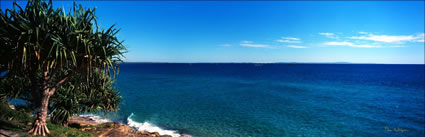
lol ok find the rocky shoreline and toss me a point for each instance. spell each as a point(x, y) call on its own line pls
point(109, 129)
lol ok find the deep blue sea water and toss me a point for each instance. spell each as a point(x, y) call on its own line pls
point(275, 100)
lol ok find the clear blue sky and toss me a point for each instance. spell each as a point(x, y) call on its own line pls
point(280, 31)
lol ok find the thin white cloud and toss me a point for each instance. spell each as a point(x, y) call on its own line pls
point(391, 38)
point(328, 35)
point(420, 37)
point(250, 44)
point(289, 40)
point(366, 46)
point(351, 45)
point(254, 45)
point(226, 45)
point(339, 43)
point(295, 46)
point(397, 46)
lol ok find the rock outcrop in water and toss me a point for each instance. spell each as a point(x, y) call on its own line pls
point(110, 129)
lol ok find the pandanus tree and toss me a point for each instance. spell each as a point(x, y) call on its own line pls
point(50, 47)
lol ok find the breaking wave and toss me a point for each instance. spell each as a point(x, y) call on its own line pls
point(146, 126)
point(95, 118)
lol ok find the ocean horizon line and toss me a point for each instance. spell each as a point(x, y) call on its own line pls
point(330, 63)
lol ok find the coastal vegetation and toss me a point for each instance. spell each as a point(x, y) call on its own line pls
point(57, 61)
point(16, 122)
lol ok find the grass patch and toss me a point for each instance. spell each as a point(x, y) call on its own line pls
point(18, 121)
point(60, 131)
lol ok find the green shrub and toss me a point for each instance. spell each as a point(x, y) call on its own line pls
point(10, 114)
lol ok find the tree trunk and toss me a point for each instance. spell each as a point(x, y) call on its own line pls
point(35, 87)
point(39, 126)
point(36, 98)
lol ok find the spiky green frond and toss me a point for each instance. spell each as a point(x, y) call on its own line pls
point(42, 37)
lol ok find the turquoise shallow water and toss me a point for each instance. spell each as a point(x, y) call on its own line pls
point(226, 100)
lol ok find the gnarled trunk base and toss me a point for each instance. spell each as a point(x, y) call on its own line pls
point(39, 128)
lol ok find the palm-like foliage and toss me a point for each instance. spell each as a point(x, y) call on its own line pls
point(73, 98)
point(14, 86)
point(41, 39)
point(49, 39)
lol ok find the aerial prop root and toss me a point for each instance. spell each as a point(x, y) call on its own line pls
point(39, 128)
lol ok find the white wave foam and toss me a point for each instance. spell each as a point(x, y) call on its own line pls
point(95, 118)
point(146, 126)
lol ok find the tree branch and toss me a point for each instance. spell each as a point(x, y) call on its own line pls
point(52, 74)
point(52, 91)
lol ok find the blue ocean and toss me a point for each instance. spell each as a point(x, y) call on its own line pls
point(272, 100)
